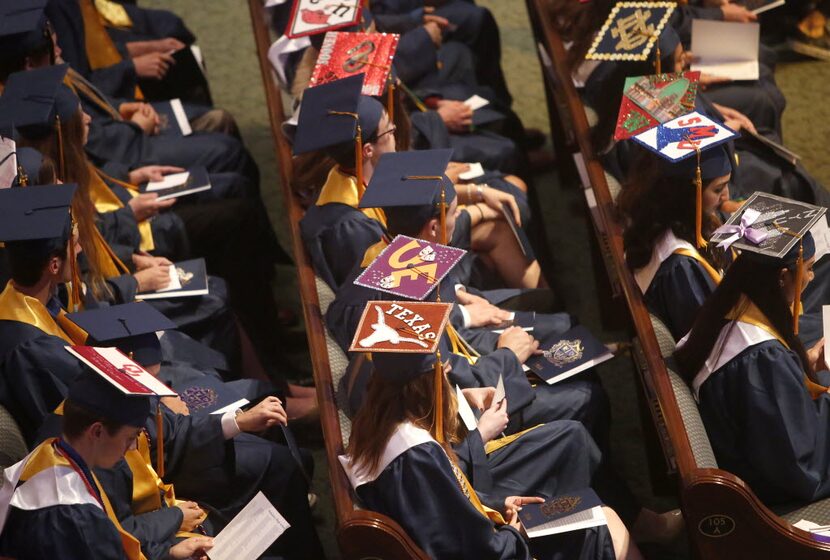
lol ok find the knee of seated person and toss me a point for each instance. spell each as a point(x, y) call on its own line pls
point(516, 182)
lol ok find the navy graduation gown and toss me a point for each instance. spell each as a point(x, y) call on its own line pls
point(35, 373)
point(62, 531)
point(419, 491)
point(151, 24)
point(677, 291)
point(336, 237)
point(765, 427)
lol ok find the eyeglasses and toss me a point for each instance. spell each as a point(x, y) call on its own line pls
point(391, 130)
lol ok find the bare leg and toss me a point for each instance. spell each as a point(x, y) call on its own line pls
point(624, 547)
point(495, 241)
point(516, 182)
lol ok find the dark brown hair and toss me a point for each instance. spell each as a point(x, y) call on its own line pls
point(388, 404)
point(76, 420)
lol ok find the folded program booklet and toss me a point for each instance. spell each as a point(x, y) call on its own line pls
point(726, 49)
point(568, 512)
point(567, 354)
point(187, 278)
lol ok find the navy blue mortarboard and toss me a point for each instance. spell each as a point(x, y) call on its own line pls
point(401, 368)
point(130, 327)
point(100, 397)
point(408, 186)
point(714, 162)
point(36, 219)
point(35, 99)
point(631, 31)
point(23, 27)
point(329, 115)
point(29, 162)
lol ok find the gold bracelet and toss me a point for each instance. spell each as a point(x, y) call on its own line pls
point(480, 189)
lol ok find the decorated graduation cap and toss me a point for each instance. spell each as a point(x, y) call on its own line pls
point(311, 17)
point(632, 31)
point(403, 338)
point(651, 100)
point(682, 142)
point(334, 114)
point(101, 397)
point(344, 54)
point(37, 101)
point(130, 327)
point(411, 187)
point(775, 231)
point(23, 27)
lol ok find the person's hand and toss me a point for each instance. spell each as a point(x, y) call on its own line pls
point(434, 32)
point(519, 341)
point(176, 404)
point(194, 547)
point(146, 205)
point(714, 3)
point(166, 45)
point(463, 297)
point(734, 119)
point(816, 357)
point(456, 115)
point(442, 22)
point(512, 519)
point(737, 13)
point(153, 278)
point(454, 169)
point(267, 413)
point(145, 122)
point(192, 515)
point(494, 198)
point(479, 397)
point(127, 109)
point(513, 504)
point(144, 260)
point(153, 65)
point(494, 420)
point(152, 173)
point(485, 314)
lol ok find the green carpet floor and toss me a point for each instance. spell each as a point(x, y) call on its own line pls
point(223, 28)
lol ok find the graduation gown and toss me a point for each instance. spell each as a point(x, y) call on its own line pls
point(415, 485)
point(762, 421)
point(73, 517)
point(676, 282)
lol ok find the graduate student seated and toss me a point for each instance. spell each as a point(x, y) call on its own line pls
point(401, 464)
point(52, 505)
point(763, 395)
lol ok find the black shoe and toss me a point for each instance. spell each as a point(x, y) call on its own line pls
point(818, 47)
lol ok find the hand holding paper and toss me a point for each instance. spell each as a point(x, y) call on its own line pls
point(250, 533)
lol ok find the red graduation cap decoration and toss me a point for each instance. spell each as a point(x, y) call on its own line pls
point(401, 326)
point(345, 54)
point(652, 100)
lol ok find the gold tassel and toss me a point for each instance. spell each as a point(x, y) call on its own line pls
point(74, 294)
point(159, 442)
point(390, 99)
point(358, 156)
point(799, 279)
point(443, 215)
point(439, 399)
point(61, 162)
point(657, 56)
point(699, 241)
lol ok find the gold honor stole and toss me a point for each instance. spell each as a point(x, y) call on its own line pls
point(17, 306)
point(107, 201)
point(100, 48)
point(114, 14)
point(748, 312)
point(340, 187)
point(46, 456)
point(693, 254)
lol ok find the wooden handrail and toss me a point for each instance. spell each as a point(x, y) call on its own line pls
point(305, 273)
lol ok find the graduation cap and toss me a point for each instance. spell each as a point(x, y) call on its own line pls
point(651, 100)
point(28, 162)
point(403, 338)
point(23, 27)
point(409, 186)
point(631, 31)
point(344, 54)
point(130, 327)
point(36, 218)
point(335, 113)
point(775, 231)
point(37, 101)
point(311, 17)
point(114, 385)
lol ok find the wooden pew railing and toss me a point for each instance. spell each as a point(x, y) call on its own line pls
point(724, 518)
point(361, 534)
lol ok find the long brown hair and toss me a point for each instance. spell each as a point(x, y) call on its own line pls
point(388, 404)
point(650, 203)
point(577, 22)
point(76, 170)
